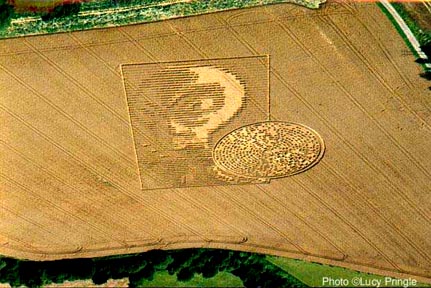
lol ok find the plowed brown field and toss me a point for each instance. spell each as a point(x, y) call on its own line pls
point(70, 184)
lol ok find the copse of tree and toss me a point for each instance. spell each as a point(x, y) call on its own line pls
point(253, 269)
point(426, 48)
point(426, 75)
point(64, 10)
point(425, 41)
point(60, 271)
point(6, 13)
point(258, 272)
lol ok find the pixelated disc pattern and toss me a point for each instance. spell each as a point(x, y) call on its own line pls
point(270, 149)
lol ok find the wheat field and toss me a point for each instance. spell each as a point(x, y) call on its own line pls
point(75, 179)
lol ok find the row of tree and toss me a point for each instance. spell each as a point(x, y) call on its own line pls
point(253, 269)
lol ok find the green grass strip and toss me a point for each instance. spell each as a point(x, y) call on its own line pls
point(313, 275)
point(398, 28)
point(221, 279)
point(413, 26)
point(100, 14)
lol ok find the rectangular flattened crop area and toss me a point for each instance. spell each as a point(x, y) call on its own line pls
point(179, 110)
point(87, 118)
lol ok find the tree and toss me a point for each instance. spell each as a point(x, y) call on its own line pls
point(253, 269)
point(185, 274)
point(62, 11)
point(30, 274)
point(6, 13)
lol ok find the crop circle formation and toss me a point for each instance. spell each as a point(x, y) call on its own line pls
point(268, 150)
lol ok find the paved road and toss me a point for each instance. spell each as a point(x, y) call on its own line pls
point(413, 41)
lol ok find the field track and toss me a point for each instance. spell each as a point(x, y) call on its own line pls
point(69, 178)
